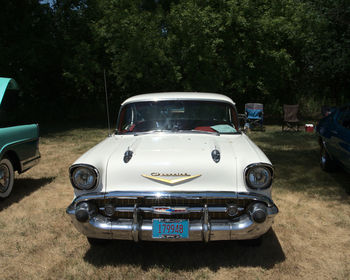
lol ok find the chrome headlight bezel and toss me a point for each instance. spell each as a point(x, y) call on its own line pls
point(267, 167)
point(91, 169)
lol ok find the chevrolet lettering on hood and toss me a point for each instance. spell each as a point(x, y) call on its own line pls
point(178, 168)
point(156, 174)
point(165, 178)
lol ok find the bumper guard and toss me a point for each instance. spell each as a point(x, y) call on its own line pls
point(204, 229)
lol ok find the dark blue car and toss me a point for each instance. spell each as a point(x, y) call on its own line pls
point(334, 139)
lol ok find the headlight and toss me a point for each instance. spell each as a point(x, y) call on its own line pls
point(83, 177)
point(258, 176)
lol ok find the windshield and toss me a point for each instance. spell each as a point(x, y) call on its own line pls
point(180, 116)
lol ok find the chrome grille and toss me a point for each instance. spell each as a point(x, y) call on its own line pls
point(124, 207)
point(173, 202)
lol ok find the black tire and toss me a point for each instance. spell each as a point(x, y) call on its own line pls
point(97, 241)
point(6, 177)
point(326, 162)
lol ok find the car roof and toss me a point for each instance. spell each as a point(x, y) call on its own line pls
point(163, 96)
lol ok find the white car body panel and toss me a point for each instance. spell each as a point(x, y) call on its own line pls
point(173, 153)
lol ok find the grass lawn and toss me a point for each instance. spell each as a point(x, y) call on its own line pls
point(310, 238)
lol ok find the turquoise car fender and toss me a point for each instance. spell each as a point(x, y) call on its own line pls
point(23, 142)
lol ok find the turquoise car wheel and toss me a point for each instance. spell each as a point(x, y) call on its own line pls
point(6, 177)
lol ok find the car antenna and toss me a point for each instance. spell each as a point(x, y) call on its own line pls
point(107, 107)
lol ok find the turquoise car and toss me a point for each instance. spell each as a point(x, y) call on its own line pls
point(19, 144)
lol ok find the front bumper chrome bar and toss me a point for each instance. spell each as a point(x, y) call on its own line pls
point(204, 229)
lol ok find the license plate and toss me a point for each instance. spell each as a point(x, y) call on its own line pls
point(170, 228)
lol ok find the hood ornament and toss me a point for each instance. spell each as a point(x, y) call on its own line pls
point(215, 154)
point(128, 155)
point(164, 178)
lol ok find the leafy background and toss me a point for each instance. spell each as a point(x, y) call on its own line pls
point(274, 52)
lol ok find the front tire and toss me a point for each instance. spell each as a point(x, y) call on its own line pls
point(6, 177)
point(326, 162)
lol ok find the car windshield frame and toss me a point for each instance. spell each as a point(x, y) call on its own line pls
point(233, 115)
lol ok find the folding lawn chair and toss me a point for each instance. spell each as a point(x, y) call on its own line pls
point(254, 115)
point(241, 120)
point(290, 117)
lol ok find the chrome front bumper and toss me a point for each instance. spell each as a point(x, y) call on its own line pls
point(204, 229)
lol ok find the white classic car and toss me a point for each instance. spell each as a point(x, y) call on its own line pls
point(178, 168)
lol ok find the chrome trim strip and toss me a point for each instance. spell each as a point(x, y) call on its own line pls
point(29, 163)
point(135, 225)
point(28, 160)
point(89, 196)
point(152, 210)
point(206, 225)
point(176, 195)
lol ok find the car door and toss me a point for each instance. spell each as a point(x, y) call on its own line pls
point(329, 132)
point(344, 139)
point(340, 143)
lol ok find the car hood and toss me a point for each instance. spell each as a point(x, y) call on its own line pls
point(7, 83)
point(173, 162)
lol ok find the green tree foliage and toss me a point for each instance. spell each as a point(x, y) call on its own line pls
point(78, 49)
point(274, 52)
point(250, 50)
point(81, 56)
point(27, 50)
point(330, 58)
